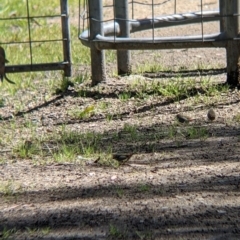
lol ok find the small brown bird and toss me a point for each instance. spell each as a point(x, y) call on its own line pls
point(3, 60)
point(122, 157)
point(211, 114)
point(183, 118)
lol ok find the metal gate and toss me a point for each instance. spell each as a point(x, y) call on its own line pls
point(115, 33)
point(28, 21)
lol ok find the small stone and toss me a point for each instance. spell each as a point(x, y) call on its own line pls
point(221, 211)
point(183, 118)
point(211, 114)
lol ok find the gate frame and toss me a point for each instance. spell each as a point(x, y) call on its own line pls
point(228, 38)
point(65, 65)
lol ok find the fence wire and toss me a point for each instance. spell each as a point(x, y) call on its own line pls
point(133, 25)
point(150, 17)
point(22, 25)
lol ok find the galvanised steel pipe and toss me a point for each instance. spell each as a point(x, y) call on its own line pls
point(96, 27)
point(121, 17)
point(114, 29)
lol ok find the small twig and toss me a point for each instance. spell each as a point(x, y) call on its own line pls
point(5, 150)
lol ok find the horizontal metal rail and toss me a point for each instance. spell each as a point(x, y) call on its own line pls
point(200, 41)
point(37, 67)
point(174, 20)
point(114, 42)
point(115, 34)
point(65, 64)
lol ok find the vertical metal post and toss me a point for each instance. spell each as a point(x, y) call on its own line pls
point(123, 56)
point(221, 11)
point(96, 27)
point(66, 37)
point(230, 25)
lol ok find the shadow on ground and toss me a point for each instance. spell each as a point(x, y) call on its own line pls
point(196, 209)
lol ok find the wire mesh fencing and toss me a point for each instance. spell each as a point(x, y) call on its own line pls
point(130, 25)
point(30, 30)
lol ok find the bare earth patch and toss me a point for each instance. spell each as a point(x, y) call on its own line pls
point(176, 188)
point(173, 187)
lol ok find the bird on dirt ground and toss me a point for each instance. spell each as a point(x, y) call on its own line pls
point(3, 60)
point(122, 157)
point(183, 118)
point(211, 114)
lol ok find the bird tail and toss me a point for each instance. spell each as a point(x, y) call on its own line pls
point(7, 79)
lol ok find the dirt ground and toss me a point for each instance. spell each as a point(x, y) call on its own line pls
point(180, 188)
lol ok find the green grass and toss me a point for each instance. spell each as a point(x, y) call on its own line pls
point(7, 233)
point(144, 188)
point(145, 235)
point(26, 139)
point(120, 192)
point(2, 102)
point(237, 118)
point(124, 96)
point(27, 149)
point(65, 145)
point(109, 117)
point(175, 89)
point(68, 145)
point(65, 153)
point(49, 28)
point(85, 113)
point(115, 232)
point(82, 77)
point(38, 232)
point(41, 29)
point(151, 67)
point(64, 85)
point(9, 188)
point(132, 130)
point(42, 52)
point(197, 133)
